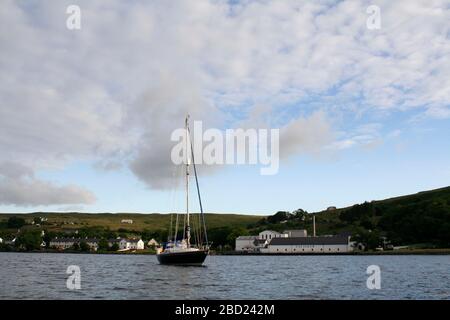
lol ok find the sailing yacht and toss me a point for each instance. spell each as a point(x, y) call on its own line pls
point(184, 251)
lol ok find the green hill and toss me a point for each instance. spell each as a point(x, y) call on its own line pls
point(108, 225)
point(421, 218)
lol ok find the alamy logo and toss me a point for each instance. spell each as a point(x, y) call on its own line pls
point(236, 146)
point(373, 22)
point(74, 280)
point(374, 280)
point(73, 22)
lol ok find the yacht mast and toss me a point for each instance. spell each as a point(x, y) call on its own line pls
point(188, 228)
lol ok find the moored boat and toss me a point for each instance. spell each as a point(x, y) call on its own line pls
point(185, 251)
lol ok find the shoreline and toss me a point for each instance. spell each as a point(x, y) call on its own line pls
point(443, 251)
point(431, 252)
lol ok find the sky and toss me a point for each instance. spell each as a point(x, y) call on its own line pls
point(86, 115)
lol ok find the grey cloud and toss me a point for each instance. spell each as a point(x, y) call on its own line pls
point(306, 135)
point(18, 186)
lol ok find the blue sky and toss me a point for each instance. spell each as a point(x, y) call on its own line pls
point(86, 115)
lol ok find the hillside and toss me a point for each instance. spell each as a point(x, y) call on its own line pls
point(421, 218)
point(151, 222)
point(108, 225)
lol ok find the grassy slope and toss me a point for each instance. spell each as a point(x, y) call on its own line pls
point(329, 221)
point(151, 222)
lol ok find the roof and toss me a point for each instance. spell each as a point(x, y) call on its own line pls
point(260, 240)
point(115, 240)
point(74, 240)
point(308, 241)
point(270, 231)
point(246, 238)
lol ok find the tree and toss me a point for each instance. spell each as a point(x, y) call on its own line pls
point(84, 246)
point(29, 240)
point(231, 238)
point(278, 217)
point(15, 222)
point(114, 247)
point(76, 246)
point(103, 245)
point(300, 213)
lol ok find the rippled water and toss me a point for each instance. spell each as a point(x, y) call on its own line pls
point(43, 276)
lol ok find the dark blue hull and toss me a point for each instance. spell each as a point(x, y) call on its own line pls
point(183, 258)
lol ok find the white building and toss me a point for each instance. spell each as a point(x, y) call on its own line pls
point(1, 240)
point(127, 244)
point(129, 221)
point(331, 244)
point(92, 243)
point(67, 243)
point(152, 243)
point(63, 243)
point(270, 234)
point(250, 244)
point(246, 243)
point(136, 244)
point(122, 244)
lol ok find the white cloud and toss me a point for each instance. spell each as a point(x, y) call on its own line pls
point(113, 91)
point(18, 186)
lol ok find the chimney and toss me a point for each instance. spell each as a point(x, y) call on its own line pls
point(314, 225)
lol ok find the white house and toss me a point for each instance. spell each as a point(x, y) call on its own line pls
point(92, 243)
point(67, 243)
point(250, 243)
point(129, 221)
point(122, 243)
point(136, 244)
point(1, 240)
point(270, 234)
point(246, 243)
point(63, 243)
point(328, 244)
point(152, 243)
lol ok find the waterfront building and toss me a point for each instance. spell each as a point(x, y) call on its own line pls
point(68, 243)
point(246, 243)
point(250, 243)
point(327, 244)
point(136, 244)
point(293, 241)
point(63, 243)
point(152, 243)
point(270, 234)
